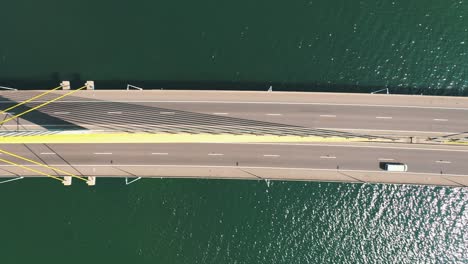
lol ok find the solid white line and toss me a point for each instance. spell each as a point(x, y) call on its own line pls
point(48, 153)
point(61, 113)
point(384, 130)
point(103, 153)
point(159, 153)
point(440, 120)
point(220, 113)
point(215, 154)
point(344, 146)
point(254, 102)
point(443, 161)
point(271, 155)
point(327, 115)
point(118, 112)
point(274, 114)
point(327, 157)
point(166, 113)
point(233, 167)
point(385, 159)
point(383, 117)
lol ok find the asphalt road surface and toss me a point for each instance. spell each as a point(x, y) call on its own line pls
point(365, 157)
point(241, 112)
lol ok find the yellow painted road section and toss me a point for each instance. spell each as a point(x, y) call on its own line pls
point(169, 138)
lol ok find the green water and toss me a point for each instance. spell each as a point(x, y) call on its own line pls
point(224, 221)
point(336, 45)
point(415, 46)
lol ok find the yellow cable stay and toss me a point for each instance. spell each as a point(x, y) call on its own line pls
point(41, 105)
point(29, 100)
point(31, 169)
point(42, 164)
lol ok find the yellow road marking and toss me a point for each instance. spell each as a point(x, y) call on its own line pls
point(168, 138)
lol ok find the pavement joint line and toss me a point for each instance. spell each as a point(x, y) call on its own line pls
point(244, 167)
point(384, 130)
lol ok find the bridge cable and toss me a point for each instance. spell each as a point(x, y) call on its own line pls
point(42, 164)
point(41, 105)
point(31, 169)
point(29, 100)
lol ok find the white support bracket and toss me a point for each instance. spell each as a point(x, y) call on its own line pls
point(10, 180)
point(386, 89)
point(89, 85)
point(67, 180)
point(65, 85)
point(91, 180)
point(132, 181)
point(134, 87)
point(8, 88)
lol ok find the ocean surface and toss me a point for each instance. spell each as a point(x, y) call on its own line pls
point(414, 47)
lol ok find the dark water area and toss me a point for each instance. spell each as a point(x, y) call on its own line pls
point(229, 221)
point(409, 47)
point(316, 45)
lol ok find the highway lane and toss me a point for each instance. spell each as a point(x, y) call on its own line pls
point(449, 160)
point(252, 115)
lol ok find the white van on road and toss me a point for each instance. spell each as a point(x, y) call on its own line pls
point(401, 167)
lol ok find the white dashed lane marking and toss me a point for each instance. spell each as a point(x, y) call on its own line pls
point(327, 157)
point(159, 153)
point(327, 115)
point(443, 161)
point(271, 155)
point(385, 159)
point(102, 153)
point(383, 117)
point(215, 154)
